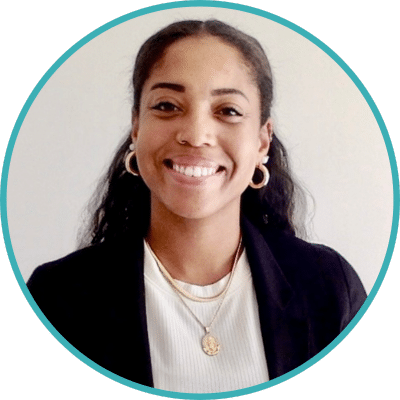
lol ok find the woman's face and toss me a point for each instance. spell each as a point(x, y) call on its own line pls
point(198, 135)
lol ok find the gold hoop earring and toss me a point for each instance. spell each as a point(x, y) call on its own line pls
point(128, 165)
point(264, 180)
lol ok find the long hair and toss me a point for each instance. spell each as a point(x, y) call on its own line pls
point(121, 202)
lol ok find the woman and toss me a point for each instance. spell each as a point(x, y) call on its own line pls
point(194, 280)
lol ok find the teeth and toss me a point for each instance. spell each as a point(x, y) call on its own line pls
point(189, 171)
point(194, 171)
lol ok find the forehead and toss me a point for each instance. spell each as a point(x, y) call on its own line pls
point(202, 58)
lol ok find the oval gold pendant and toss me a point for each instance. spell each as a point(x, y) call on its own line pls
point(210, 345)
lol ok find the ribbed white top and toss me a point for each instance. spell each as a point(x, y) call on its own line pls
point(177, 358)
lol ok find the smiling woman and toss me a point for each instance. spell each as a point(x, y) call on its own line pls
point(191, 277)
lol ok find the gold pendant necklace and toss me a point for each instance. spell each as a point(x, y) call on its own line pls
point(209, 342)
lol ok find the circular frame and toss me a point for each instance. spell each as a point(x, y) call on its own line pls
point(322, 46)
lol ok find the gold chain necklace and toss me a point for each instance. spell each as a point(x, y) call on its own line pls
point(210, 343)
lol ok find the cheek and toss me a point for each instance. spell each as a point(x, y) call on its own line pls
point(154, 131)
point(151, 143)
point(144, 147)
point(244, 152)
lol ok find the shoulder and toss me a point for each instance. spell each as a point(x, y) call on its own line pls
point(290, 249)
point(293, 254)
point(88, 273)
point(100, 264)
point(79, 264)
point(317, 271)
point(299, 257)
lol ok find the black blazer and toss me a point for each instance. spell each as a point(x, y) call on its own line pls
point(95, 298)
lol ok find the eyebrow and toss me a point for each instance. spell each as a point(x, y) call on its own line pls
point(181, 89)
point(220, 92)
point(166, 85)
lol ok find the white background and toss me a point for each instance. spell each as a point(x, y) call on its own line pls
point(79, 117)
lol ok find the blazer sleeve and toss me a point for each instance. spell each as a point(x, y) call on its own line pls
point(354, 289)
point(55, 298)
point(43, 289)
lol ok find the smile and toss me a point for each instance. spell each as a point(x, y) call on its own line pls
point(195, 171)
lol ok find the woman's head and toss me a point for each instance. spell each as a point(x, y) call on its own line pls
point(197, 133)
point(122, 201)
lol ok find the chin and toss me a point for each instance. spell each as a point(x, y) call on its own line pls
point(196, 210)
point(192, 212)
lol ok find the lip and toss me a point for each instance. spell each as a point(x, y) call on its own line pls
point(194, 161)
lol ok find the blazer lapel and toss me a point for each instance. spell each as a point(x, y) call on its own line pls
point(133, 362)
point(283, 326)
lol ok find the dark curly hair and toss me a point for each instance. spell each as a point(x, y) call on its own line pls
point(121, 203)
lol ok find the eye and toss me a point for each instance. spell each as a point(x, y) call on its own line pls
point(165, 106)
point(230, 112)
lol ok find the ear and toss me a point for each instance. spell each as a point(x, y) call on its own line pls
point(135, 129)
point(266, 132)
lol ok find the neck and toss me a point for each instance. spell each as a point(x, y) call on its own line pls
point(197, 251)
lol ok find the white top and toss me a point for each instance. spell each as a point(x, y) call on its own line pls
point(178, 361)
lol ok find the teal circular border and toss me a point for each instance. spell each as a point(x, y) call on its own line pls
point(184, 4)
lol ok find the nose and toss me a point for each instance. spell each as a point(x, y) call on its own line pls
point(198, 130)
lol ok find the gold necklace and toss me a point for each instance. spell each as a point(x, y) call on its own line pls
point(209, 342)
